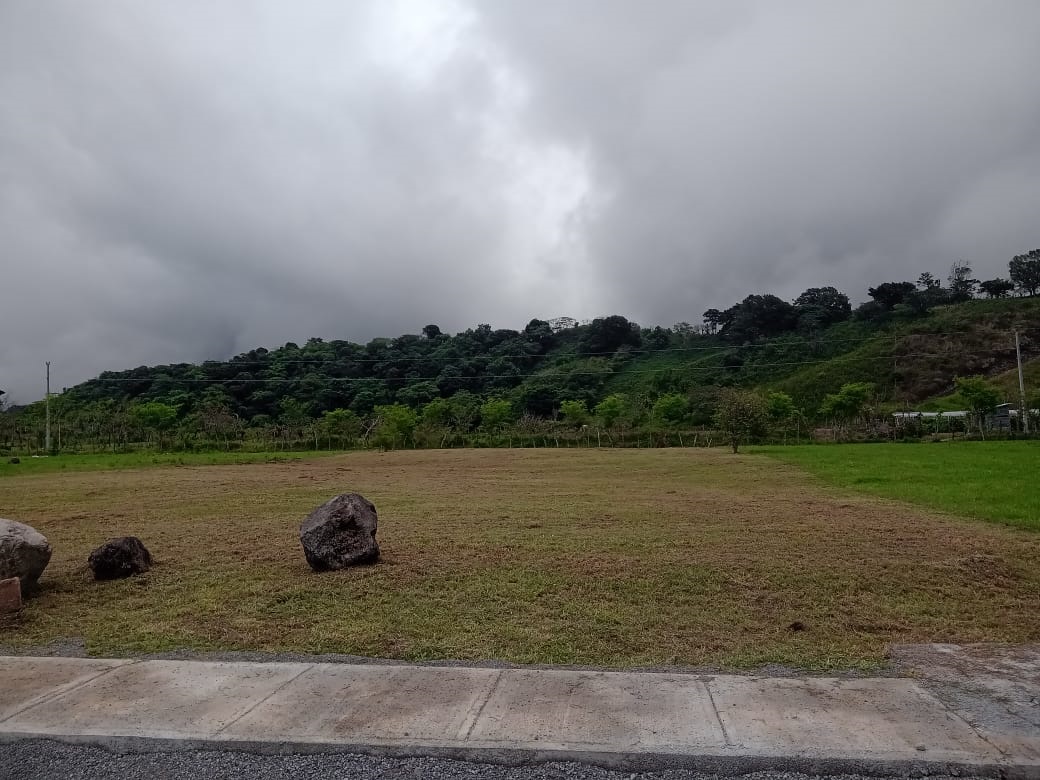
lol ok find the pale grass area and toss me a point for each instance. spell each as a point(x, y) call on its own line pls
point(607, 557)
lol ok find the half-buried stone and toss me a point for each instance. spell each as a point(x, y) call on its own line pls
point(340, 533)
point(119, 558)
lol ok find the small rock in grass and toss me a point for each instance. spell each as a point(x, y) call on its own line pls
point(797, 625)
point(10, 595)
point(340, 533)
point(24, 553)
point(119, 558)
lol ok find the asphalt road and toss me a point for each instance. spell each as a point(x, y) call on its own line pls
point(45, 760)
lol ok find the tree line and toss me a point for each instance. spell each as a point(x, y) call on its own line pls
point(553, 378)
point(764, 316)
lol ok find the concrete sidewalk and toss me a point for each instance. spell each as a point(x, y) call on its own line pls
point(625, 720)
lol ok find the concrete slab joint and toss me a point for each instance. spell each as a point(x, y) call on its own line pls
point(636, 720)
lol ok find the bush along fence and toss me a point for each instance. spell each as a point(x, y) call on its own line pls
point(735, 417)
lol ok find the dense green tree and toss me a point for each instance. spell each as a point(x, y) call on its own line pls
point(657, 337)
point(1025, 271)
point(713, 319)
point(539, 397)
point(575, 413)
point(670, 410)
point(465, 410)
point(927, 281)
point(871, 311)
point(758, 317)
point(997, 288)
point(294, 411)
point(888, 295)
point(368, 397)
point(781, 410)
point(980, 396)
point(452, 380)
point(819, 307)
point(780, 406)
point(605, 335)
point(417, 394)
point(154, 415)
point(342, 425)
point(611, 409)
point(395, 426)
point(929, 294)
point(496, 414)
point(437, 413)
point(741, 415)
point(501, 373)
point(702, 401)
point(848, 403)
point(541, 333)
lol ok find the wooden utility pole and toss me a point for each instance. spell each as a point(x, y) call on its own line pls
point(47, 407)
point(1023, 408)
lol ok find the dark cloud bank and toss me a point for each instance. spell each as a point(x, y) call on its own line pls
point(182, 181)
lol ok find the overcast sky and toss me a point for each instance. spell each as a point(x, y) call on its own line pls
point(186, 180)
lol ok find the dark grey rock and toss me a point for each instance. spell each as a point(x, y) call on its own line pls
point(119, 558)
point(24, 553)
point(340, 533)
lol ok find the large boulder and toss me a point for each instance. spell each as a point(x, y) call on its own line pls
point(340, 533)
point(24, 553)
point(119, 558)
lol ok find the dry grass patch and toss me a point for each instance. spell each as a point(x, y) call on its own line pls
point(607, 557)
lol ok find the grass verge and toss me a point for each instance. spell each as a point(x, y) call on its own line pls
point(993, 481)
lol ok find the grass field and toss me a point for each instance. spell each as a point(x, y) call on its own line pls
point(609, 557)
point(983, 480)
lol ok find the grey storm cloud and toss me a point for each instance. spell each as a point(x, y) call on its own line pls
point(765, 147)
point(182, 181)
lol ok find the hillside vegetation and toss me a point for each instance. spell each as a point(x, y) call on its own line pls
point(912, 361)
point(907, 345)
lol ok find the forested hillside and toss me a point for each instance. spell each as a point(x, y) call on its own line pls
point(907, 344)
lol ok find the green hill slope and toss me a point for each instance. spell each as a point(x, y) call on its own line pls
point(909, 359)
point(911, 362)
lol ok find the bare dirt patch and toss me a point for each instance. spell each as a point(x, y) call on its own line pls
point(612, 558)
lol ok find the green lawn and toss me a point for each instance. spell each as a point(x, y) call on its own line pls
point(994, 481)
point(140, 460)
